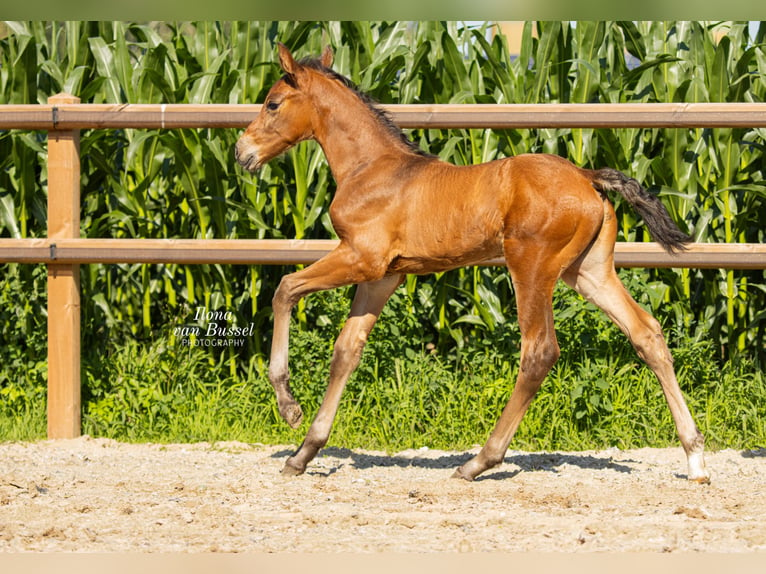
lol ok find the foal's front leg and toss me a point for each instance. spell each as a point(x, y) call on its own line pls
point(333, 270)
point(368, 303)
point(279, 373)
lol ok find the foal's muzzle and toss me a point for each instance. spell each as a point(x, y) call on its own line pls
point(246, 156)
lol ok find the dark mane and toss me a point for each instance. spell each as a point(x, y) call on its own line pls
point(383, 118)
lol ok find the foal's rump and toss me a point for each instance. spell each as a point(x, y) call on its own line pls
point(563, 189)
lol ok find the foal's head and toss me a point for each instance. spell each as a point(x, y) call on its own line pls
point(285, 118)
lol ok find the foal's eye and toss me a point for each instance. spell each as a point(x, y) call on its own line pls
point(271, 106)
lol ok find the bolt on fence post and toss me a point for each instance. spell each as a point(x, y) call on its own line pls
point(63, 280)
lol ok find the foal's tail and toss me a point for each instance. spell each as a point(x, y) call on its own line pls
point(663, 230)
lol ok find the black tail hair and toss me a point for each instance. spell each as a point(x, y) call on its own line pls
point(662, 228)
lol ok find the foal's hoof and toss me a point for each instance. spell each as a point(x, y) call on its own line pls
point(291, 470)
point(459, 473)
point(700, 479)
point(292, 414)
point(697, 471)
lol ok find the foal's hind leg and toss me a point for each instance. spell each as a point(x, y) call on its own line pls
point(594, 277)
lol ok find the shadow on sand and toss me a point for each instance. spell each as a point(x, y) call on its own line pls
point(525, 462)
point(754, 453)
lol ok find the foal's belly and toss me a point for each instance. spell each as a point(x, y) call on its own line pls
point(434, 262)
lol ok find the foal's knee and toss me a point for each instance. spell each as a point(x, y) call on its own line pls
point(284, 294)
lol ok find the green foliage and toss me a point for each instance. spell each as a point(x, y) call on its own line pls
point(24, 372)
point(449, 335)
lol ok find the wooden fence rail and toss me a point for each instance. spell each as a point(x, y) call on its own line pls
point(72, 116)
point(63, 251)
point(305, 251)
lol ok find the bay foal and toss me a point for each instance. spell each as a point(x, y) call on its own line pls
point(398, 211)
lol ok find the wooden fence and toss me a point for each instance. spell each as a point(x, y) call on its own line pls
point(63, 251)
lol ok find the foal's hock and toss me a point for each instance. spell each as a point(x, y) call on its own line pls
point(398, 211)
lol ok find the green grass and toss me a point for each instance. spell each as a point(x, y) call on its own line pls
point(25, 425)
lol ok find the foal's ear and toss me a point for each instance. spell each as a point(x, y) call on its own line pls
point(326, 57)
point(286, 59)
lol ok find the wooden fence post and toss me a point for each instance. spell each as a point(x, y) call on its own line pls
point(63, 280)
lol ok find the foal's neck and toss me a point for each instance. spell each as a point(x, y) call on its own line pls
point(350, 133)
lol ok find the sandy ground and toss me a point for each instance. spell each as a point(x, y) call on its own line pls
point(95, 495)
